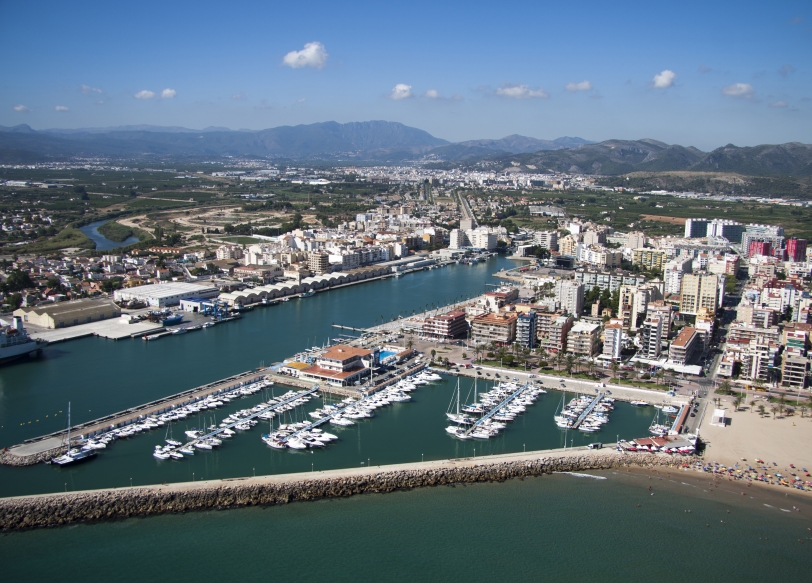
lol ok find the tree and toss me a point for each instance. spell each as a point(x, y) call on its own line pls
point(774, 410)
point(16, 281)
point(409, 343)
point(725, 387)
point(570, 359)
point(433, 353)
point(761, 410)
point(559, 358)
point(614, 367)
point(752, 406)
point(660, 374)
point(737, 401)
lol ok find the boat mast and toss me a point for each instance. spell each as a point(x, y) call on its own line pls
point(68, 426)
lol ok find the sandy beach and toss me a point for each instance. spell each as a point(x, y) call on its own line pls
point(748, 435)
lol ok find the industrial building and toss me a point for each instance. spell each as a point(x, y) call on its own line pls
point(73, 313)
point(160, 295)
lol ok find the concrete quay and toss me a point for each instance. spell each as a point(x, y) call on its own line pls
point(33, 450)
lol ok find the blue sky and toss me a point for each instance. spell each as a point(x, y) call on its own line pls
point(702, 74)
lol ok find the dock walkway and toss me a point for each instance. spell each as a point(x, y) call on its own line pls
point(271, 407)
point(496, 409)
point(587, 411)
point(89, 428)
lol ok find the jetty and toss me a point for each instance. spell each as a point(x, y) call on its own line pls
point(498, 408)
point(587, 411)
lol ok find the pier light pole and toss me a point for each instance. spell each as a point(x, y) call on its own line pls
point(524, 447)
point(474, 452)
point(255, 472)
point(131, 483)
point(421, 458)
point(367, 462)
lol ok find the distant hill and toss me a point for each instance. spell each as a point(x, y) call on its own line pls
point(513, 144)
point(302, 141)
point(614, 157)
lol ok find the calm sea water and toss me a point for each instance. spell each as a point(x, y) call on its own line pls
point(553, 528)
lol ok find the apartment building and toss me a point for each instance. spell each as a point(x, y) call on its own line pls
point(686, 347)
point(584, 339)
point(552, 331)
point(699, 291)
point(498, 328)
point(445, 326)
point(651, 259)
point(651, 334)
point(612, 341)
point(526, 329)
point(570, 296)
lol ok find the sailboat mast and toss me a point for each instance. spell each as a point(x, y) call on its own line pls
point(68, 425)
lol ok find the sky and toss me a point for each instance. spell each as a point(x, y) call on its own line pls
point(700, 74)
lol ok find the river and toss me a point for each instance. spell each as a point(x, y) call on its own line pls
point(103, 243)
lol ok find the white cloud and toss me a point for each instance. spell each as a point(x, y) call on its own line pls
point(239, 96)
point(779, 104)
point(582, 86)
point(87, 89)
point(145, 94)
point(520, 91)
point(738, 90)
point(168, 93)
point(663, 79)
point(401, 91)
point(432, 94)
point(61, 108)
point(21, 108)
point(312, 55)
point(301, 100)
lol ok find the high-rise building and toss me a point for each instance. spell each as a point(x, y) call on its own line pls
point(546, 240)
point(673, 271)
point(772, 234)
point(612, 341)
point(526, 330)
point(583, 339)
point(699, 290)
point(757, 248)
point(727, 229)
point(570, 296)
point(796, 250)
point(651, 338)
point(696, 228)
point(318, 262)
point(635, 240)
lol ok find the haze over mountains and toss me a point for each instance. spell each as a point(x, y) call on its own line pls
point(391, 142)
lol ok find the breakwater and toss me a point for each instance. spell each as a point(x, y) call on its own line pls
point(91, 506)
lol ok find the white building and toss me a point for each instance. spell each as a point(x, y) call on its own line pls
point(166, 294)
point(570, 296)
point(612, 341)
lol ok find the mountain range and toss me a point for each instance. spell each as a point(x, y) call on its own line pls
point(391, 142)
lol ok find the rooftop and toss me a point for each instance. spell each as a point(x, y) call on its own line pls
point(344, 352)
point(684, 337)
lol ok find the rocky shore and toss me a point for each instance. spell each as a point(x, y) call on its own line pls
point(63, 509)
point(10, 459)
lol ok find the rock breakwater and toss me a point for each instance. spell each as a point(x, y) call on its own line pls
point(91, 506)
point(8, 458)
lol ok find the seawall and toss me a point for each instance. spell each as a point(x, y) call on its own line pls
point(59, 509)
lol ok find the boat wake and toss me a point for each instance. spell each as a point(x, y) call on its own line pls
point(579, 475)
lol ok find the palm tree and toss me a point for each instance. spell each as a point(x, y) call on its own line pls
point(726, 387)
point(559, 357)
point(752, 406)
point(614, 368)
point(570, 359)
point(761, 410)
point(409, 344)
point(782, 401)
point(737, 400)
point(774, 410)
point(660, 374)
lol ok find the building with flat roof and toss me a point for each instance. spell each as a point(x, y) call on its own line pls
point(686, 347)
point(651, 336)
point(160, 295)
point(699, 291)
point(499, 328)
point(794, 370)
point(72, 313)
point(552, 331)
point(584, 339)
point(612, 341)
point(526, 329)
point(652, 259)
point(445, 326)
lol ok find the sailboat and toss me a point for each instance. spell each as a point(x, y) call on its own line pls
point(73, 455)
point(458, 417)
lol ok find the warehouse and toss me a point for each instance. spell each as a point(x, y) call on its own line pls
point(64, 314)
point(160, 295)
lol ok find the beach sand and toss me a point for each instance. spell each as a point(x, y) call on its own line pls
point(748, 435)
